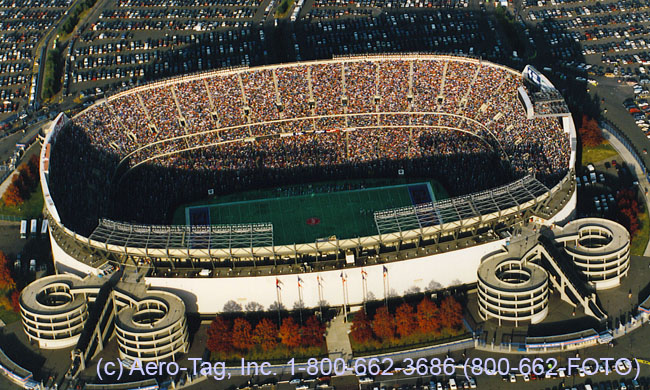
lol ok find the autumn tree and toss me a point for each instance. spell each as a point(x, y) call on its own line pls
point(219, 335)
point(22, 184)
point(266, 334)
point(5, 303)
point(12, 196)
point(451, 313)
point(628, 210)
point(313, 332)
point(15, 301)
point(590, 132)
point(31, 170)
point(242, 334)
point(6, 280)
point(428, 317)
point(405, 323)
point(290, 333)
point(361, 329)
point(383, 324)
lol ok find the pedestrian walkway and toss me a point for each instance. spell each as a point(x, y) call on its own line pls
point(644, 186)
point(338, 342)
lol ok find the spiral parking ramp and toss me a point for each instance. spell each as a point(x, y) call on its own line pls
point(152, 328)
point(599, 248)
point(512, 289)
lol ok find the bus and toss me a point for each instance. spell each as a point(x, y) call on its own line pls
point(34, 228)
point(44, 225)
point(23, 228)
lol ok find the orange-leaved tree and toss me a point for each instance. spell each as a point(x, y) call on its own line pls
point(313, 332)
point(383, 324)
point(628, 210)
point(428, 317)
point(590, 132)
point(15, 300)
point(405, 320)
point(12, 196)
point(290, 333)
point(361, 329)
point(242, 334)
point(6, 280)
point(451, 313)
point(266, 334)
point(219, 335)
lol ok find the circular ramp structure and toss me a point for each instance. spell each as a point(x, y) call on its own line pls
point(600, 250)
point(52, 313)
point(512, 290)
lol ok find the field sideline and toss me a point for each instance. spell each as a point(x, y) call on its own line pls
point(313, 211)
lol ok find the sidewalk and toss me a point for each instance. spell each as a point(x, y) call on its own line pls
point(338, 342)
point(644, 186)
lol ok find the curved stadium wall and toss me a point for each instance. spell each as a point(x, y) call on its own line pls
point(420, 257)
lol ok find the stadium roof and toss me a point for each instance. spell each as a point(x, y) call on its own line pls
point(188, 237)
point(461, 208)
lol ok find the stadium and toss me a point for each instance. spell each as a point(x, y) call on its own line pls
point(316, 183)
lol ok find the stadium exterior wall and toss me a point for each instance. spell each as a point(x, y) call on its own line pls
point(64, 263)
point(209, 295)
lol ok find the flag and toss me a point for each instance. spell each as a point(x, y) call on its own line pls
point(299, 282)
point(342, 277)
point(385, 271)
point(278, 283)
point(319, 280)
point(363, 274)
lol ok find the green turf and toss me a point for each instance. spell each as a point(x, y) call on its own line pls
point(340, 213)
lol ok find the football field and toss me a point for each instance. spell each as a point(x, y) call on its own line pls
point(313, 214)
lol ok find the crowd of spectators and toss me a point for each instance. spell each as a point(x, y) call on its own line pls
point(330, 121)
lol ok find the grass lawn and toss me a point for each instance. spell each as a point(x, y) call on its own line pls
point(598, 153)
point(8, 316)
point(31, 208)
point(640, 239)
point(278, 355)
point(282, 12)
point(416, 341)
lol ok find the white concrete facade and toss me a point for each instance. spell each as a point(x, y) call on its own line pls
point(151, 329)
point(209, 295)
point(51, 314)
point(512, 289)
point(600, 250)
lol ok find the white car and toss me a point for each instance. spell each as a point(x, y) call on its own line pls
point(452, 384)
point(472, 383)
point(512, 378)
point(365, 379)
point(526, 378)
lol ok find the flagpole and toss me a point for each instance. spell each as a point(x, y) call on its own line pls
point(385, 286)
point(347, 293)
point(364, 288)
point(277, 290)
point(300, 299)
point(345, 309)
point(320, 297)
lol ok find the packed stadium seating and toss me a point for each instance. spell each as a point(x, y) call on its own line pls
point(453, 119)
